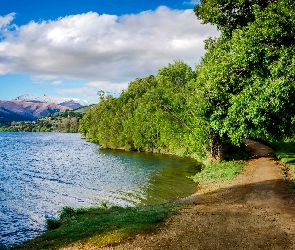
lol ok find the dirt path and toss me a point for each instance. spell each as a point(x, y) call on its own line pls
point(254, 212)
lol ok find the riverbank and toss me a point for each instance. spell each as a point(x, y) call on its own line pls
point(252, 212)
point(67, 230)
point(97, 227)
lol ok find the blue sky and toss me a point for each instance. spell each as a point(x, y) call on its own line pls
point(76, 48)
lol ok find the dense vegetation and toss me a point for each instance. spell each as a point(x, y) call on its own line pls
point(242, 88)
point(67, 121)
point(153, 114)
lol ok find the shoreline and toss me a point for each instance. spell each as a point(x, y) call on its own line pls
point(197, 200)
point(172, 202)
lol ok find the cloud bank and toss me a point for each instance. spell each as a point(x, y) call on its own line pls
point(107, 51)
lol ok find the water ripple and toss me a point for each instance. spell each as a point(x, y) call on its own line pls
point(42, 172)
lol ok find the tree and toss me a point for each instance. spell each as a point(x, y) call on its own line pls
point(74, 124)
point(245, 83)
point(150, 115)
point(229, 15)
point(265, 49)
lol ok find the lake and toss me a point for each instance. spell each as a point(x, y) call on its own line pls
point(42, 172)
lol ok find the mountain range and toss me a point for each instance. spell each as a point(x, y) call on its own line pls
point(29, 108)
point(72, 103)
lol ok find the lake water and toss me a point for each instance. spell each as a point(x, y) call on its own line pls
point(42, 172)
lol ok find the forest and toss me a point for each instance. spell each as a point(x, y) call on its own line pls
point(243, 87)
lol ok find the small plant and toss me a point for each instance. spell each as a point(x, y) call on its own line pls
point(67, 212)
point(53, 224)
point(104, 205)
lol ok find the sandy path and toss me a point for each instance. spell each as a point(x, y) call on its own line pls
point(254, 212)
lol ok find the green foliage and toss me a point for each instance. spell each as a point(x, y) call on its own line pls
point(264, 107)
point(67, 212)
point(245, 82)
point(53, 224)
point(155, 113)
point(97, 227)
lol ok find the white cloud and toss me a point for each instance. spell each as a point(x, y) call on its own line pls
point(89, 90)
point(6, 20)
point(107, 86)
point(57, 82)
point(86, 91)
point(105, 50)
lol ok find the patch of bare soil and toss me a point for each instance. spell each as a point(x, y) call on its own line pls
point(253, 212)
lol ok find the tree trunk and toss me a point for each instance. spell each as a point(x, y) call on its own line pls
point(216, 148)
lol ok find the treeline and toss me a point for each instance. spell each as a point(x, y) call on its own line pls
point(67, 122)
point(155, 113)
point(242, 88)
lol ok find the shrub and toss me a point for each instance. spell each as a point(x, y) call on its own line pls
point(67, 212)
point(53, 224)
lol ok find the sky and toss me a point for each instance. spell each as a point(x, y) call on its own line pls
point(76, 48)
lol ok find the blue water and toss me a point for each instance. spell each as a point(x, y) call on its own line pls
point(42, 172)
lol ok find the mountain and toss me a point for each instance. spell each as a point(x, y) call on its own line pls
point(27, 111)
point(29, 108)
point(72, 103)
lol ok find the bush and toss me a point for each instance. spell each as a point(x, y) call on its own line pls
point(53, 224)
point(67, 212)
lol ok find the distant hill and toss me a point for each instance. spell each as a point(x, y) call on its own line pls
point(67, 121)
point(27, 111)
point(82, 110)
point(30, 108)
point(72, 103)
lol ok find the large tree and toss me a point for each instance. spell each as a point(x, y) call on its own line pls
point(245, 82)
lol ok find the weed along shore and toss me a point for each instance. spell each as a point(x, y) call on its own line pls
point(252, 211)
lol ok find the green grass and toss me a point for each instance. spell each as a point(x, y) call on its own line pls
point(214, 175)
point(285, 151)
point(98, 226)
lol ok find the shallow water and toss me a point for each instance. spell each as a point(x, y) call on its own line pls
point(42, 172)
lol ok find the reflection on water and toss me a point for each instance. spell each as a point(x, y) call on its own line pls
point(42, 172)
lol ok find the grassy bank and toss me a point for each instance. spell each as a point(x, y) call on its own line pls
point(98, 226)
point(285, 151)
point(215, 175)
